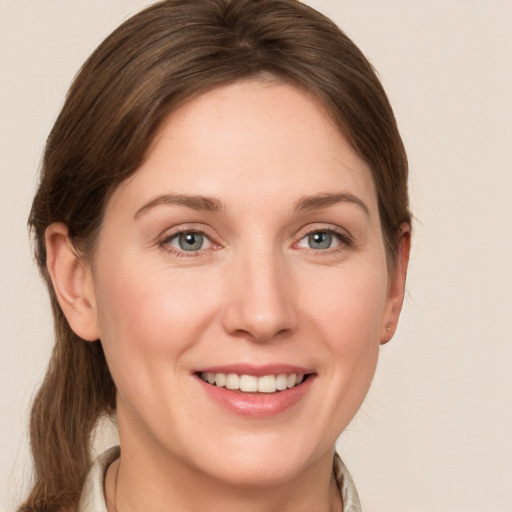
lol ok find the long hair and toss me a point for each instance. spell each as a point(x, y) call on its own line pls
point(159, 58)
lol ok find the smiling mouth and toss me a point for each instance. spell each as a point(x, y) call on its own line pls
point(251, 384)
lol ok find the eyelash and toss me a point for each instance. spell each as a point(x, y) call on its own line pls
point(165, 242)
point(344, 239)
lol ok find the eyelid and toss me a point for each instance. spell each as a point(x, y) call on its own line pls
point(164, 239)
point(205, 239)
point(344, 237)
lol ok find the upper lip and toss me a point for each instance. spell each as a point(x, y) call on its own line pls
point(256, 370)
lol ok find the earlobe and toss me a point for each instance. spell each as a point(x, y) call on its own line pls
point(72, 282)
point(396, 286)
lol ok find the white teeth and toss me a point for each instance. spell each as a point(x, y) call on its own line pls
point(248, 383)
point(292, 380)
point(232, 381)
point(282, 382)
point(220, 380)
point(251, 383)
point(267, 384)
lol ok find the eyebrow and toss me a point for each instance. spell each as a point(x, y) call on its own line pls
point(209, 204)
point(317, 202)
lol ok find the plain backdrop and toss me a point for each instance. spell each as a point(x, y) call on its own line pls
point(435, 432)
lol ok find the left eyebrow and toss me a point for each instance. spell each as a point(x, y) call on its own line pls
point(209, 204)
point(317, 202)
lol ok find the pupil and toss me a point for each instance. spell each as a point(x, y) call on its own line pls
point(191, 241)
point(320, 240)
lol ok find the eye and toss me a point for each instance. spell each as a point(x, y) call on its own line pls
point(189, 241)
point(321, 240)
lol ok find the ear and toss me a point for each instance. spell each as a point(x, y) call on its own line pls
point(396, 289)
point(72, 282)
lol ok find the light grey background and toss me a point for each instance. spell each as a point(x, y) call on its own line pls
point(435, 432)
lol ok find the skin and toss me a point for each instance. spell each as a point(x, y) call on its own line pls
point(256, 292)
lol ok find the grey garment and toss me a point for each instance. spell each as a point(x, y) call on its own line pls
point(93, 497)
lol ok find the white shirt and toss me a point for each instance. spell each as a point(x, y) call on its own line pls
point(92, 498)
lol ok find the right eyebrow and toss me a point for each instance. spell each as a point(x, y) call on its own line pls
point(209, 204)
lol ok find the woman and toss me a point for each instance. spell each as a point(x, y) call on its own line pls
point(222, 222)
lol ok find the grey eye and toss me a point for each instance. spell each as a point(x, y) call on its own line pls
point(190, 241)
point(320, 240)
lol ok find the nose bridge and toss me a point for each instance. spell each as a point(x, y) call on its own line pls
point(261, 304)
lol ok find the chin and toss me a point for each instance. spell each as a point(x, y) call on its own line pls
point(258, 461)
point(264, 472)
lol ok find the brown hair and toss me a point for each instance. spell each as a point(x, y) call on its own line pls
point(162, 56)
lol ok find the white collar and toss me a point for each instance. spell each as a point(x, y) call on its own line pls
point(92, 498)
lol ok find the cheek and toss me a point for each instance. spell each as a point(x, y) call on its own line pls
point(348, 303)
point(149, 320)
point(148, 314)
point(347, 313)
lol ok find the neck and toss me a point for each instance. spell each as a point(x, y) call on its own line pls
point(189, 490)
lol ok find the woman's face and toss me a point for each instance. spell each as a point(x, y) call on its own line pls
point(246, 250)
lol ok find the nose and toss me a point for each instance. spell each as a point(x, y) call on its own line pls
point(261, 298)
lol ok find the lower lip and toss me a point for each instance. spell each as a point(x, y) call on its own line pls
point(257, 405)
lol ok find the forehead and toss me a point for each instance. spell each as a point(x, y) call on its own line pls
point(254, 138)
